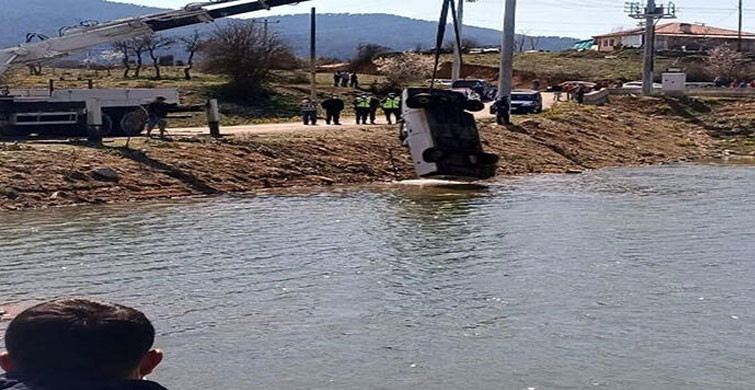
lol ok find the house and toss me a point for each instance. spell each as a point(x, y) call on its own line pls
point(677, 36)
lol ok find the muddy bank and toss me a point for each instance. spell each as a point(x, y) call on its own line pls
point(567, 138)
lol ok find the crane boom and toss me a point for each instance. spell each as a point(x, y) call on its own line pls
point(80, 38)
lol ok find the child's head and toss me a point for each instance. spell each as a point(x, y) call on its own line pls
point(80, 338)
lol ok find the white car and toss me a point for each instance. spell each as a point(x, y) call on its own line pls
point(638, 85)
point(442, 135)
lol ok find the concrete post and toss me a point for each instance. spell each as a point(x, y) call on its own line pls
point(94, 120)
point(506, 79)
point(213, 117)
point(456, 70)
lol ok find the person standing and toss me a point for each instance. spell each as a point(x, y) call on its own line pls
point(362, 108)
point(354, 80)
point(337, 79)
point(345, 78)
point(333, 108)
point(579, 94)
point(374, 106)
point(392, 107)
point(309, 112)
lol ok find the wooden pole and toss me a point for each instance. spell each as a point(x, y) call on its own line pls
point(313, 53)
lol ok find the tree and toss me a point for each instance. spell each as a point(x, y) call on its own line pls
point(242, 51)
point(191, 44)
point(123, 48)
point(403, 69)
point(724, 61)
point(365, 54)
point(534, 42)
point(153, 44)
point(137, 48)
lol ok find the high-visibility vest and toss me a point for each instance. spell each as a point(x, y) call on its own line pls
point(391, 104)
point(363, 102)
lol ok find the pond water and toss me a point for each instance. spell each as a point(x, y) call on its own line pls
point(619, 279)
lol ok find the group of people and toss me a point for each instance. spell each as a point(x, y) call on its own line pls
point(366, 107)
point(733, 84)
point(345, 79)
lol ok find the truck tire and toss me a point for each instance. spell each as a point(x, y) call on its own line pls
point(133, 122)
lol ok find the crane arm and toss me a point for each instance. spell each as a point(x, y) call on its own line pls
point(80, 38)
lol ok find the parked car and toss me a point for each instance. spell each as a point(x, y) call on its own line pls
point(638, 85)
point(526, 102)
point(523, 101)
point(486, 91)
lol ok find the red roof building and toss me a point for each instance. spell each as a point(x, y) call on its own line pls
point(676, 36)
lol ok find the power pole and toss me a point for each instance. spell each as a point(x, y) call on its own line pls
point(506, 78)
point(650, 15)
point(456, 69)
point(648, 65)
point(265, 23)
point(313, 53)
point(739, 42)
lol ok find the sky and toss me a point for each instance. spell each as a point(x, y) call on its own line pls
point(570, 18)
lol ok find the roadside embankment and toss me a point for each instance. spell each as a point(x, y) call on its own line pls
point(567, 138)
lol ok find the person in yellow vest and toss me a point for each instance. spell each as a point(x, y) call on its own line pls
point(392, 107)
point(362, 108)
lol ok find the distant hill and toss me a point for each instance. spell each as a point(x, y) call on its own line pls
point(339, 34)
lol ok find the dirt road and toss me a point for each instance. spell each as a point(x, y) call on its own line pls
point(349, 123)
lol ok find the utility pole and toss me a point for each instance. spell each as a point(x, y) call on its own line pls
point(506, 73)
point(648, 66)
point(265, 23)
point(313, 53)
point(739, 42)
point(650, 15)
point(456, 70)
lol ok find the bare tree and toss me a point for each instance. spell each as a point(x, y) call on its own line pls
point(191, 44)
point(152, 45)
point(365, 54)
point(725, 61)
point(138, 48)
point(534, 41)
point(123, 48)
point(242, 51)
point(403, 69)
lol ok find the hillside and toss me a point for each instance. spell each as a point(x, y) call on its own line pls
point(339, 35)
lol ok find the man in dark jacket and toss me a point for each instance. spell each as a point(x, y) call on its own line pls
point(333, 108)
point(78, 344)
point(158, 113)
point(374, 106)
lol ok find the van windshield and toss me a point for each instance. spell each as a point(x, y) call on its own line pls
point(524, 97)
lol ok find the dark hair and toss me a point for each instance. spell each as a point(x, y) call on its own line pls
point(79, 338)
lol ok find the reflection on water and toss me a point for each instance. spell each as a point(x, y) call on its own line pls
point(623, 279)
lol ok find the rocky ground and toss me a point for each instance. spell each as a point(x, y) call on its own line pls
point(567, 138)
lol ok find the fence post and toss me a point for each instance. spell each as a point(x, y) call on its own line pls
point(213, 117)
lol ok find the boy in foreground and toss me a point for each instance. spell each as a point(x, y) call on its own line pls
point(78, 344)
